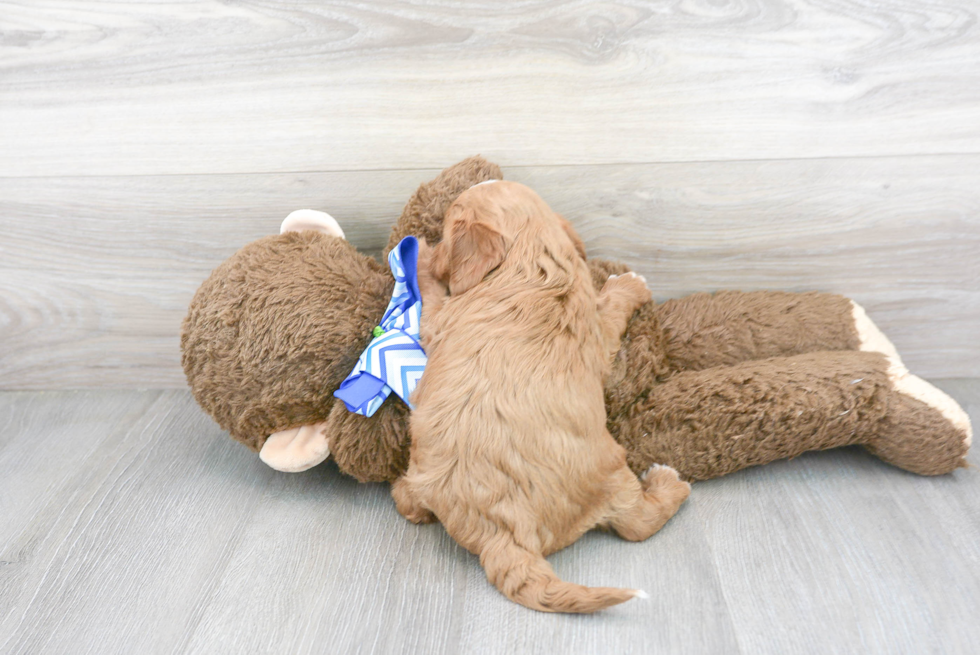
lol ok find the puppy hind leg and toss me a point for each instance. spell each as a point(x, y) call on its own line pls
point(407, 503)
point(641, 507)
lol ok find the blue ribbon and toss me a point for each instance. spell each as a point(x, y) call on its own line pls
point(394, 360)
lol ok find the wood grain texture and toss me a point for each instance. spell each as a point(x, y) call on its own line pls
point(96, 273)
point(840, 539)
point(110, 88)
point(837, 553)
point(138, 526)
point(123, 558)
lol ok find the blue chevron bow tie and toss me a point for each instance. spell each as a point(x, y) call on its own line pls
point(394, 360)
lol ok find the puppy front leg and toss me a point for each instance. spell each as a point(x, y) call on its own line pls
point(621, 295)
point(407, 504)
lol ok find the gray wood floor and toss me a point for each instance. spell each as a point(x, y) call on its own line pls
point(132, 524)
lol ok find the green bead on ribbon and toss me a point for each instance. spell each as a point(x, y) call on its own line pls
point(377, 331)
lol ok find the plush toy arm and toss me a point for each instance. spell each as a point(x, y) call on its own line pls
point(709, 423)
point(705, 330)
point(371, 449)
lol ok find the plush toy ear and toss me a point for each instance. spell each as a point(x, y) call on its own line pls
point(476, 249)
point(311, 219)
point(573, 235)
point(297, 449)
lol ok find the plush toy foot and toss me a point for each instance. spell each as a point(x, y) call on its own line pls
point(295, 450)
point(915, 437)
point(873, 340)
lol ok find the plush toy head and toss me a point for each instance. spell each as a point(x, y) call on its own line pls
point(276, 328)
point(269, 336)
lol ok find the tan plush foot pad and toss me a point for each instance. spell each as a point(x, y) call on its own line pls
point(873, 340)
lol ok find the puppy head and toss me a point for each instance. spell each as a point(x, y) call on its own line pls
point(482, 226)
point(473, 244)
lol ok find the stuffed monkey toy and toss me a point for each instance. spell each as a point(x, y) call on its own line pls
point(706, 384)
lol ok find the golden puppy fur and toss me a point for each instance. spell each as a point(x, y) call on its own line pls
point(509, 443)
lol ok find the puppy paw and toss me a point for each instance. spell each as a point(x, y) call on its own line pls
point(420, 516)
point(629, 288)
point(407, 505)
point(663, 482)
point(629, 274)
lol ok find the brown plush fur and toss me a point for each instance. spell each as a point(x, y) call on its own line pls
point(706, 330)
point(423, 215)
point(509, 442)
point(274, 330)
point(713, 422)
point(269, 337)
point(259, 361)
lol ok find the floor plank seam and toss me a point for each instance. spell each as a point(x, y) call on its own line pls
point(207, 598)
point(716, 569)
point(433, 168)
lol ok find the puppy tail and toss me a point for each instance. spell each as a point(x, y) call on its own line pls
point(527, 578)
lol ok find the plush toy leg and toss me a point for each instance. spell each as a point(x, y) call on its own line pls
point(709, 423)
point(296, 450)
point(706, 330)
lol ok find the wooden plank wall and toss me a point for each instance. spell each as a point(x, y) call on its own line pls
point(786, 144)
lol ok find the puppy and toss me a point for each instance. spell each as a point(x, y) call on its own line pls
point(509, 443)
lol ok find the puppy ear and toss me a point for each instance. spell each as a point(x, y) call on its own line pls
point(573, 235)
point(439, 262)
point(476, 250)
